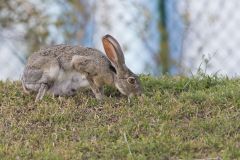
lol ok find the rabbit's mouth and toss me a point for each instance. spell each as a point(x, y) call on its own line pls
point(126, 90)
point(120, 89)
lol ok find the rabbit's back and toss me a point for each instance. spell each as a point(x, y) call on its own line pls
point(64, 54)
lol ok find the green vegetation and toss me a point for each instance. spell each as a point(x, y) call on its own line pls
point(178, 117)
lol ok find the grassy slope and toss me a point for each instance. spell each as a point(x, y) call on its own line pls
point(176, 118)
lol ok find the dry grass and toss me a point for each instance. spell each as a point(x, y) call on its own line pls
point(179, 117)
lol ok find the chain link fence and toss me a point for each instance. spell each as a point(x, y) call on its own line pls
point(204, 35)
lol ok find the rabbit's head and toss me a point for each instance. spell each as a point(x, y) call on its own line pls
point(125, 80)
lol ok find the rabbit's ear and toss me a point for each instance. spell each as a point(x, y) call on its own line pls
point(114, 52)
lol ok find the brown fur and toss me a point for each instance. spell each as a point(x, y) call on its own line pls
point(62, 68)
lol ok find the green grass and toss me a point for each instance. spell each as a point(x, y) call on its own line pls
point(177, 118)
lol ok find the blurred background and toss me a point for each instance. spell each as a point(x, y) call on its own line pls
point(176, 37)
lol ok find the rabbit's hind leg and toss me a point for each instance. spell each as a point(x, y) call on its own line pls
point(25, 89)
point(41, 92)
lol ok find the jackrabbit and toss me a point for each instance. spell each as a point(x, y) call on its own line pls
point(63, 69)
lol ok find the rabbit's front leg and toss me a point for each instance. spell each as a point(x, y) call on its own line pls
point(98, 91)
point(41, 92)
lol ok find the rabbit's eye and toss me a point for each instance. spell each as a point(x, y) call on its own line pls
point(131, 80)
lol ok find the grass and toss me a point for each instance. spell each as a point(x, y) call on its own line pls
point(177, 118)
